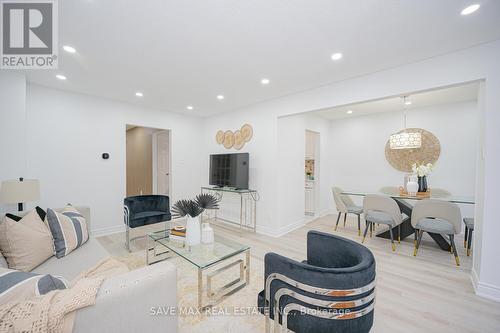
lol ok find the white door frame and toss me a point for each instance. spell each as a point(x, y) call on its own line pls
point(155, 161)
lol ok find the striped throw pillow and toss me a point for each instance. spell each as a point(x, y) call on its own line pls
point(16, 286)
point(68, 228)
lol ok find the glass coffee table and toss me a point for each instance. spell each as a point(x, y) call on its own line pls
point(209, 259)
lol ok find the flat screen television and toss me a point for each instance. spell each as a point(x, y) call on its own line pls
point(229, 170)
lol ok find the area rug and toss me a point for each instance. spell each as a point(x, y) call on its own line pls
point(235, 313)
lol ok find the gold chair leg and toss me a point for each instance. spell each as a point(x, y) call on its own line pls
point(415, 250)
point(393, 247)
point(457, 260)
point(465, 244)
point(468, 252)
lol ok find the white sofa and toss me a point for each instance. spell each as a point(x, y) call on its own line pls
point(124, 303)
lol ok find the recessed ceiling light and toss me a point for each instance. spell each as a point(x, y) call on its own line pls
point(61, 77)
point(265, 81)
point(470, 9)
point(407, 102)
point(139, 94)
point(349, 112)
point(336, 56)
point(69, 49)
point(189, 107)
point(220, 97)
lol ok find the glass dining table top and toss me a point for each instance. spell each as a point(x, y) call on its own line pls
point(394, 193)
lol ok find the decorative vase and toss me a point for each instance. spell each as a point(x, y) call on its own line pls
point(193, 232)
point(207, 234)
point(422, 184)
point(412, 186)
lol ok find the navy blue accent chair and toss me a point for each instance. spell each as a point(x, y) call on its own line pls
point(336, 282)
point(142, 210)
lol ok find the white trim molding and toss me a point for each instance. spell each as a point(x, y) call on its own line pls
point(98, 232)
point(263, 230)
point(484, 290)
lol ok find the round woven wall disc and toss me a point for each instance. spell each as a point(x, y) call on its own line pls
point(239, 142)
point(219, 137)
point(247, 132)
point(228, 139)
point(403, 159)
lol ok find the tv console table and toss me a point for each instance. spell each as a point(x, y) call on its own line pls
point(248, 205)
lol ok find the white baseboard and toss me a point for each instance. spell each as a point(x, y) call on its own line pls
point(484, 290)
point(108, 230)
point(263, 230)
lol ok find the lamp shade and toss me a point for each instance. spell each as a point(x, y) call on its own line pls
point(405, 140)
point(16, 191)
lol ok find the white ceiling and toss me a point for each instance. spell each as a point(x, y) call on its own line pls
point(463, 93)
point(181, 53)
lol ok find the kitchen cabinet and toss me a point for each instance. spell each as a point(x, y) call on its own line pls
point(309, 198)
point(310, 146)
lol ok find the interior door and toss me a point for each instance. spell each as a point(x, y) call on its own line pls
point(163, 163)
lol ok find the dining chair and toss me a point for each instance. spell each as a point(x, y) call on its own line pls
point(437, 216)
point(469, 228)
point(345, 205)
point(382, 209)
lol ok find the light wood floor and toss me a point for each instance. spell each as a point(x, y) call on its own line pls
point(427, 293)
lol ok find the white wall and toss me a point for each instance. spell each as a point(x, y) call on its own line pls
point(13, 162)
point(67, 133)
point(358, 144)
point(290, 162)
point(262, 150)
point(477, 63)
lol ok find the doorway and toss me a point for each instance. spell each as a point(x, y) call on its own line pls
point(148, 161)
point(311, 172)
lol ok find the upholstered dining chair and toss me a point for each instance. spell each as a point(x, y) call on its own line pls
point(469, 228)
point(345, 205)
point(382, 209)
point(332, 291)
point(437, 216)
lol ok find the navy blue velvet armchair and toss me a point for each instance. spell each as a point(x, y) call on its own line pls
point(143, 210)
point(332, 291)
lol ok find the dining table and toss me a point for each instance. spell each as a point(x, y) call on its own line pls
point(405, 203)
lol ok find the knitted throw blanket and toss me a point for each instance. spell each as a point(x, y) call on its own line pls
point(54, 311)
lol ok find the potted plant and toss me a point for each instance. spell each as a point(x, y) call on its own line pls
point(422, 170)
point(192, 208)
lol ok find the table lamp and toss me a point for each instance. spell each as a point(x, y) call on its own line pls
point(19, 191)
